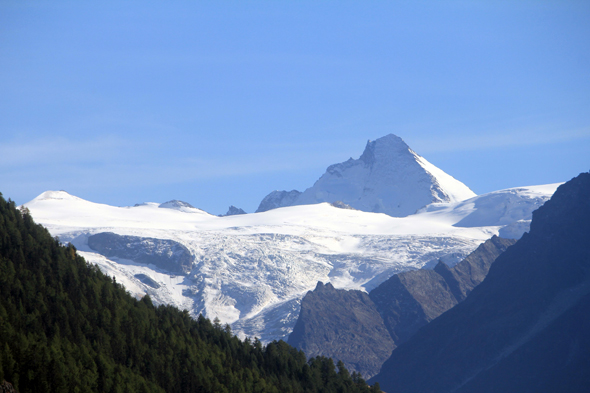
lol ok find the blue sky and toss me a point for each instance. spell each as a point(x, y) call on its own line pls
point(220, 102)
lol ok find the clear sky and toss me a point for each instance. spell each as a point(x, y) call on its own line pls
point(220, 102)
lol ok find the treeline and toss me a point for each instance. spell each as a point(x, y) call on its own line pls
point(66, 327)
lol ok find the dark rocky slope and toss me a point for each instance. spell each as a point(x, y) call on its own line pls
point(233, 211)
point(362, 330)
point(409, 300)
point(343, 325)
point(526, 328)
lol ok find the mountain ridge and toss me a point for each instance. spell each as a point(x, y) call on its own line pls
point(504, 333)
point(343, 325)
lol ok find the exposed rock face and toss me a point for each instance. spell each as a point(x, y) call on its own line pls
point(409, 300)
point(176, 204)
point(147, 280)
point(470, 272)
point(344, 325)
point(342, 205)
point(180, 206)
point(387, 178)
point(278, 199)
point(526, 327)
point(233, 211)
point(165, 254)
point(337, 323)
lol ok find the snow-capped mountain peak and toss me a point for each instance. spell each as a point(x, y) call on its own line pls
point(388, 177)
point(384, 149)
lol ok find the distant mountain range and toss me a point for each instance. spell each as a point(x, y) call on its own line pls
point(252, 270)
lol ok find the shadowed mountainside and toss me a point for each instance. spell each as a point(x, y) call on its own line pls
point(525, 328)
point(362, 330)
point(409, 300)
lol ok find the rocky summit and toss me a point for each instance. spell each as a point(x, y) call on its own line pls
point(343, 325)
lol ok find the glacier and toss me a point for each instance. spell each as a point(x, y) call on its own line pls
point(252, 270)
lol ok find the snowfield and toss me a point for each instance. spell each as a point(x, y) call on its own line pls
point(252, 270)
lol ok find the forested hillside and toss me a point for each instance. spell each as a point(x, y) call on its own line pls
point(66, 327)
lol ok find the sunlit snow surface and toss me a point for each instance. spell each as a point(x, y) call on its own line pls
point(252, 270)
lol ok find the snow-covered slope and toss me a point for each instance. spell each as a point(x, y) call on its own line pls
point(252, 270)
point(388, 178)
point(180, 206)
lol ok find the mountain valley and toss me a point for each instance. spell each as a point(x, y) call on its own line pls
point(252, 270)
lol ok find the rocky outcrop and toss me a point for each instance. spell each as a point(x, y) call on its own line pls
point(278, 199)
point(342, 205)
point(181, 206)
point(525, 327)
point(233, 211)
point(176, 204)
point(147, 280)
point(165, 254)
point(344, 325)
point(410, 300)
